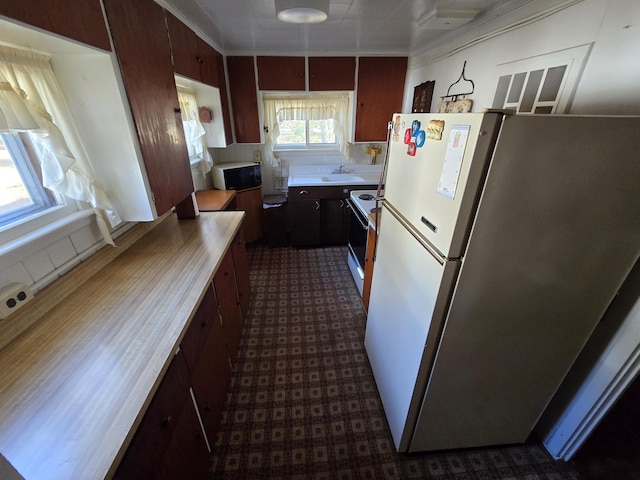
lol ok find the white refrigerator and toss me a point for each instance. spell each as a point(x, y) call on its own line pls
point(502, 241)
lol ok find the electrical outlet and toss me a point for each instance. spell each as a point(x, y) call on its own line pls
point(12, 297)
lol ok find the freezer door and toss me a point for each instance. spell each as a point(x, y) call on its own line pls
point(437, 188)
point(410, 290)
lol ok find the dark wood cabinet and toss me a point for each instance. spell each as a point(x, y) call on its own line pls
point(281, 73)
point(304, 216)
point(319, 215)
point(333, 220)
point(224, 99)
point(380, 91)
point(184, 48)
point(241, 266)
point(170, 441)
point(368, 266)
point(140, 37)
point(224, 283)
point(81, 21)
point(250, 200)
point(169, 420)
point(209, 65)
point(244, 99)
point(332, 73)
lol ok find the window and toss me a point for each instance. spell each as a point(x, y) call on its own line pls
point(306, 133)
point(314, 120)
point(21, 190)
point(543, 84)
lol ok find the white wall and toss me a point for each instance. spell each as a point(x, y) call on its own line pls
point(607, 84)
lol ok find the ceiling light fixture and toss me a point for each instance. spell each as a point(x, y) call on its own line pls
point(302, 11)
point(446, 19)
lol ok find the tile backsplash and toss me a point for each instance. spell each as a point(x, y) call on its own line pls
point(44, 259)
point(274, 177)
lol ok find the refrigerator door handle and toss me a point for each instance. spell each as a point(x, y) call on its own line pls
point(439, 257)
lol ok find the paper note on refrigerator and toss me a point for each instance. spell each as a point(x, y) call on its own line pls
point(450, 174)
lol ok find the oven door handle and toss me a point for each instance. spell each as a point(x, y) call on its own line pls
point(365, 225)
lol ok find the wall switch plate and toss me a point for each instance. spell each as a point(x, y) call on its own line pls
point(12, 297)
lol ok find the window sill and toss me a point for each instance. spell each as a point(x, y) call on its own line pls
point(57, 228)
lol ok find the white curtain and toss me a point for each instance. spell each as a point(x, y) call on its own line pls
point(278, 108)
point(31, 100)
point(194, 132)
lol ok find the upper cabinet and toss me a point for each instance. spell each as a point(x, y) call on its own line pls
point(81, 21)
point(380, 91)
point(184, 47)
point(142, 46)
point(244, 99)
point(332, 73)
point(281, 73)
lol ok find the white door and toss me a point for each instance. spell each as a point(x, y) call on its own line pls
point(436, 189)
point(408, 297)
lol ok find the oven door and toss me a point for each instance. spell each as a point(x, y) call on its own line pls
point(357, 243)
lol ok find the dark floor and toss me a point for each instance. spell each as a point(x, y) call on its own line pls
point(303, 403)
point(613, 450)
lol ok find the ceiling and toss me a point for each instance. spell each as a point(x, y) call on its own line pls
point(353, 26)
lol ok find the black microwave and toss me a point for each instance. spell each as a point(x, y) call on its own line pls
point(236, 176)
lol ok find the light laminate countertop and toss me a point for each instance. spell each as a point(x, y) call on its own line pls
point(75, 385)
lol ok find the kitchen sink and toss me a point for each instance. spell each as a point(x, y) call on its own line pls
point(342, 178)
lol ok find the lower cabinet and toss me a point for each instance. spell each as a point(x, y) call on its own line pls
point(319, 215)
point(170, 441)
point(250, 200)
point(169, 438)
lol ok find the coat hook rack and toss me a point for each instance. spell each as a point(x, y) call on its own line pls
point(460, 78)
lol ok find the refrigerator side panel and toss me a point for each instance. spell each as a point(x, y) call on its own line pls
point(409, 291)
point(437, 188)
point(556, 233)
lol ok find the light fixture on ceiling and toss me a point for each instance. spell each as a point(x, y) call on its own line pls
point(446, 19)
point(302, 11)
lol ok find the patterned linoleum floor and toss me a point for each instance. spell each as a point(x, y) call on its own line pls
point(303, 403)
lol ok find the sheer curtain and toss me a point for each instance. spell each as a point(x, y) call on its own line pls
point(306, 107)
point(194, 132)
point(31, 100)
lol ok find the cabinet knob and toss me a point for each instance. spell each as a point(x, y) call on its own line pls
point(303, 192)
point(166, 421)
point(177, 110)
point(317, 205)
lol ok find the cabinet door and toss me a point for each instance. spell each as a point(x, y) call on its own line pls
point(184, 48)
point(304, 220)
point(332, 73)
point(203, 321)
point(81, 21)
point(224, 98)
point(187, 457)
point(224, 283)
point(281, 73)
point(140, 37)
point(380, 91)
point(333, 225)
point(211, 380)
point(208, 57)
point(244, 99)
point(251, 202)
point(241, 267)
point(155, 433)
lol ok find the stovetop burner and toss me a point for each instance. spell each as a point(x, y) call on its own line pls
point(366, 196)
